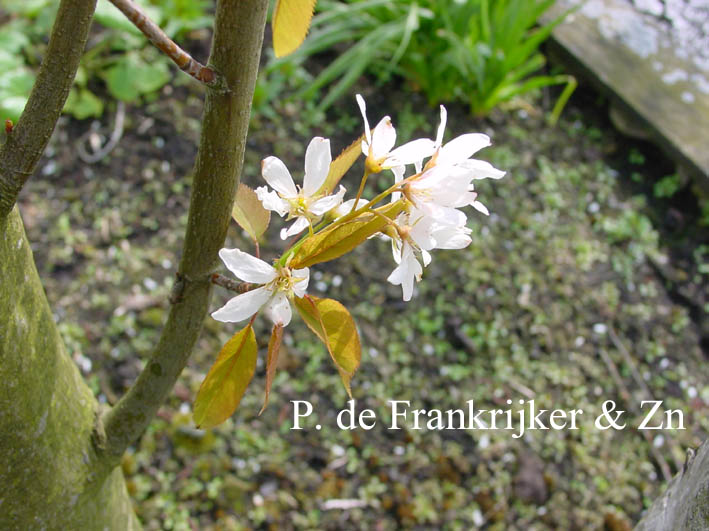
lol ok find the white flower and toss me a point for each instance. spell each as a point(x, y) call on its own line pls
point(447, 181)
point(440, 191)
point(303, 204)
point(419, 233)
point(408, 269)
point(458, 151)
point(277, 287)
point(378, 144)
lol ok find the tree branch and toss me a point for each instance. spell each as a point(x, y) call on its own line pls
point(27, 140)
point(230, 284)
point(158, 37)
point(236, 51)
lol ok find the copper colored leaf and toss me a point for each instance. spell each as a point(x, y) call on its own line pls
point(249, 213)
point(333, 324)
point(274, 346)
point(291, 21)
point(225, 383)
point(341, 164)
point(341, 239)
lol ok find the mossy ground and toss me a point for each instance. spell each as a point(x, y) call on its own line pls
point(560, 287)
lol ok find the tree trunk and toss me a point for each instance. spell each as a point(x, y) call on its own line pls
point(58, 452)
point(51, 472)
point(685, 504)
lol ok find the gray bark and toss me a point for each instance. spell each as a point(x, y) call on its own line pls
point(685, 504)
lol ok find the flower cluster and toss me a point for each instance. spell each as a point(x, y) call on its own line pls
point(439, 185)
point(436, 192)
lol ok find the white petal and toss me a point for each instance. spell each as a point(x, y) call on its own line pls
point(278, 309)
point(363, 109)
point(479, 169)
point(317, 164)
point(365, 148)
point(301, 286)
point(465, 199)
point(421, 230)
point(242, 306)
point(383, 139)
point(398, 172)
point(406, 272)
point(272, 201)
point(452, 238)
point(444, 215)
point(345, 208)
point(298, 226)
point(278, 176)
point(426, 257)
point(451, 192)
point(441, 127)
point(410, 153)
point(462, 148)
point(246, 267)
point(396, 277)
point(477, 205)
point(326, 204)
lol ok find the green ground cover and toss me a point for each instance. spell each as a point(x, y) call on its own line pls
point(559, 289)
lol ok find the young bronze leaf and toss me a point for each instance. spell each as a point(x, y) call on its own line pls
point(290, 23)
point(249, 213)
point(333, 243)
point(274, 346)
point(222, 389)
point(333, 324)
point(341, 164)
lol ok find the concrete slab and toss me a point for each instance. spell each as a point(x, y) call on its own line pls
point(633, 56)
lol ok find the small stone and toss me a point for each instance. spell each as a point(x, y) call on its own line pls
point(600, 329)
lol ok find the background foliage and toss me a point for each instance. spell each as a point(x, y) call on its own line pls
point(477, 52)
point(118, 56)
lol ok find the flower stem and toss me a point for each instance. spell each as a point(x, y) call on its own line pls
point(361, 189)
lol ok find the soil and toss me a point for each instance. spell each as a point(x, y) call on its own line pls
point(580, 287)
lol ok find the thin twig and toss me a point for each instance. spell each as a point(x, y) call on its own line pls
point(236, 48)
point(625, 395)
point(647, 394)
point(25, 144)
point(159, 38)
point(231, 285)
point(115, 137)
point(629, 361)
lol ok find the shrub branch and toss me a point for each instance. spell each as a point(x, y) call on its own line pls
point(157, 36)
point(236, 51)
point(28, 138)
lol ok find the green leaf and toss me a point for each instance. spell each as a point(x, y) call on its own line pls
point(274, 346)
point(249, 213)
point(12, 107)
point(291, 21)
point(333, 324)
point(131, 77)
point(225, 383)
point(82, 104)
point(342, 238)
point(25, 8)
point(13, 38)
point(15, 86)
